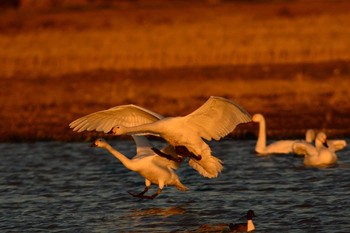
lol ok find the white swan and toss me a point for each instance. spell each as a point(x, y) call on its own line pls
point(216, 118)
point(334, 145)
point(278, 147)
point(155, 169)
point(316, 156)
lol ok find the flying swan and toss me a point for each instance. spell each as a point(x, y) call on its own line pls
point(154, 168)
point(216, 118)
point(316, 156)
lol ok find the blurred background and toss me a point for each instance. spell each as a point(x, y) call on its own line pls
point(287, 59)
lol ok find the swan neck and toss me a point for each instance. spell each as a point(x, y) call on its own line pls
point(261, 143)
point(139, 129)
point(122, 158)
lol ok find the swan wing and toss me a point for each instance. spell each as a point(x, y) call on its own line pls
point(336, 145)
point(304, 148)
point(143, 146)
point(164, 162)
point(103, 121)
point(217, 117)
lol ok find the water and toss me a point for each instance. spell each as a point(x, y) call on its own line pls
point(70, 187)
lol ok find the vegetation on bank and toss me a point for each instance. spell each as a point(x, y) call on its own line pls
point(56, 42)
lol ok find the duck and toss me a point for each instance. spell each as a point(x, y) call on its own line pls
point(316, 156)
point(154, 168)
point(335, 145)
point(244, 227)
point(215, 119)
point(225, 227)
point(277, 147)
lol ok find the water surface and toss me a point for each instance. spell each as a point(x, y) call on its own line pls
point(54, 186)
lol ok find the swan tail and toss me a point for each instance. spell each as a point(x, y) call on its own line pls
point(209, 166)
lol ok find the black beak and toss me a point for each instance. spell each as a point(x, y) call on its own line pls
point(325, 144)
point(110, 132)
point(93, 144)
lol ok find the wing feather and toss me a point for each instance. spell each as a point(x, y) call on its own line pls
point(304, 148)
point(103, 121)
point(217, 117)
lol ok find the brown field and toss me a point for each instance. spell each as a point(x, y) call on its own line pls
point(289, 60)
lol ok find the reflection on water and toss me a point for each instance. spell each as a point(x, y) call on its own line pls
point(165, 212)
point(52, 186)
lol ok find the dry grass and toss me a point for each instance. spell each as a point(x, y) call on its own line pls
point(280, 59)
point(291, 99)
point(139, 37)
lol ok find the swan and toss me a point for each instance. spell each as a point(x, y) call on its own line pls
point(244, 227)
point(316, 156)
point(216, 118)
point(155, 169)
point(278, 147)
point(334, 145)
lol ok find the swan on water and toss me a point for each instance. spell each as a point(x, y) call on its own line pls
point(316, 156)
point(154, 168)
point(335, 144)
point(215, 119)
point(278, 147)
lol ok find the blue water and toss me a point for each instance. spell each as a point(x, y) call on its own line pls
point(71, 187)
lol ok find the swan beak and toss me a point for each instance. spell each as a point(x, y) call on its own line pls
point(111, 131)
point(93, 144)
point(325, 144)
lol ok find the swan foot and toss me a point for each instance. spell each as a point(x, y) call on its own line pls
point(164, 155)
point(142, 196)
point(182, 150)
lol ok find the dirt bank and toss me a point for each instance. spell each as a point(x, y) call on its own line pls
point(292, 97)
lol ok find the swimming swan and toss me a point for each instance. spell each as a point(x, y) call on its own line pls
point(316, 156)
point(216, 118)
point(278, 147)
point(155, 169)
point(334, 145)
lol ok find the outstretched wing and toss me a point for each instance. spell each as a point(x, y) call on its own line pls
point(127, 115)
point(336, 145)
point(217, 117)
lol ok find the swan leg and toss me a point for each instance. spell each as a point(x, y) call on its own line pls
point(142, 196)
point(139, 194)
point(170, 157)
point(182, 150)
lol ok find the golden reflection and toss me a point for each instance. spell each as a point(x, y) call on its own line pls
point(166, 212)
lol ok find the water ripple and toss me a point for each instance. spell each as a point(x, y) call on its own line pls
point(53, 186)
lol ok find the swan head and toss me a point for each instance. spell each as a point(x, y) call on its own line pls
point(310, 135)
point(258, 117)
point(322, 139)
point(118, 130)
point(100, 142)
